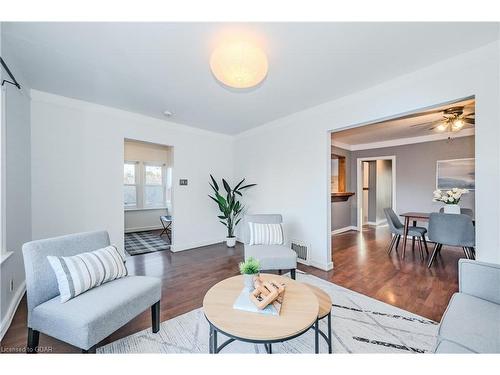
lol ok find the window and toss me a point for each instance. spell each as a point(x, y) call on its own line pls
point(154, 186)
point(130, 184)
point(145, 185)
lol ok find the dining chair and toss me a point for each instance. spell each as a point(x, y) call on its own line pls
point(397, 230)
point(452, 230)
point(463, 211)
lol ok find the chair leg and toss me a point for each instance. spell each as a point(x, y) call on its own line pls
point(433, 256)
point(91, 350)
point(425, 245)
point(155, 317)
point(473, 253)
point(413, 244)
point(466, 252)
point(391, 245)
point(397, 243)
point(33, 339)
point(292, 274)
point(421, 248)
point(280, 272)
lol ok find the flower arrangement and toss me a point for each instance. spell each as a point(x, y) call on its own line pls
point(450, 196)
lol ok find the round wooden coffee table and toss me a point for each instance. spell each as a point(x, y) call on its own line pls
point(299, 312)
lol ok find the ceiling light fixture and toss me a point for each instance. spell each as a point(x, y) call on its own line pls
point(167, 113)
point(442, 127)
point(239, 64)
point(457, 124)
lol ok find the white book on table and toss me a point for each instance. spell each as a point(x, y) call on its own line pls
point(243, 302)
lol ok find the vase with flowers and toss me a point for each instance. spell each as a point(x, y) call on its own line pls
point(451, 199)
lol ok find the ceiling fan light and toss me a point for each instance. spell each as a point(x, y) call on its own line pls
point(441, 127)
point(458, 124)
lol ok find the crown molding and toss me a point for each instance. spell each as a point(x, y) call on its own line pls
point(401, 141)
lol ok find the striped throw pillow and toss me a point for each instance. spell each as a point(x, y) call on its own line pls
point(265, 234)
point(79, 273)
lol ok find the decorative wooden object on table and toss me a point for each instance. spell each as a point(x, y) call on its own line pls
point(299, 312)
point(268, 292)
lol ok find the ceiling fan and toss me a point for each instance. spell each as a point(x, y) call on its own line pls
point(453, 120)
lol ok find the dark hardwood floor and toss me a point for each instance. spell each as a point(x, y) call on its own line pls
point(361, 264)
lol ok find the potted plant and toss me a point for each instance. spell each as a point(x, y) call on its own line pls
point(229, 206)
point(249, 269)
point(451, 198)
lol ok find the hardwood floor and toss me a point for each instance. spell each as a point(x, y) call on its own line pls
point(361, 264)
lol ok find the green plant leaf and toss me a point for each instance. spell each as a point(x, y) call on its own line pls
point(226, 186)
point(215, 183)
point(222, 217)
point(237, 192)
point(223, 222)
point(247, 186)
point(239, 184)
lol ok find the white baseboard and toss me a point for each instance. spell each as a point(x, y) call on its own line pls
point(143, 229)
point(345, 229)
point(322, 266)
point(7, 320)
point(192, 245)
point(375, 223)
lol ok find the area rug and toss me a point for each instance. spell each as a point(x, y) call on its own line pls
point(360, 324)
point(144, 242)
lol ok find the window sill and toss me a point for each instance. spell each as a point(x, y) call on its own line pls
point(5, 255)
point(145, 209)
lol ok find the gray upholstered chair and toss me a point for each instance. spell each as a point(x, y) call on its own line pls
point(471, 323)
point(271, 257)
point(452, 230)
point(397, 230)
point(88, 318)
point(463, 211)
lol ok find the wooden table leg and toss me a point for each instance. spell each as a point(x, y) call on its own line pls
point(405, 234)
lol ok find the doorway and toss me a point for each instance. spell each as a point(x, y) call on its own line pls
point(147, 197)
point(376, 189)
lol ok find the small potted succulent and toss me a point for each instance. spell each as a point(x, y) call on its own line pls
point(249, 269)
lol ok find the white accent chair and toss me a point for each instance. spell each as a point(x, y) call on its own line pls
point(270, 257)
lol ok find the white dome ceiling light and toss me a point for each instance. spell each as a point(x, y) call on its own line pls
point(239, 64)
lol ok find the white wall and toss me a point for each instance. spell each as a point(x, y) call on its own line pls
point(146, 219)
point(290, 158)
point(77, 170)
point(17, 185)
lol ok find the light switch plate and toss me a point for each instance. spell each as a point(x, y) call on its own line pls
point(183, 181)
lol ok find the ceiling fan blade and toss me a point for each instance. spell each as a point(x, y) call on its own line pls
point(426, 124)
point(419, 114)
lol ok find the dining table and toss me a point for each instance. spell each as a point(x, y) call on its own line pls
point(414, 217)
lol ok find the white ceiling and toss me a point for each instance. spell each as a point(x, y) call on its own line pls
point(151, 67)
point(402, 128)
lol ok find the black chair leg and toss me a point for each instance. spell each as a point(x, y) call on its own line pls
point(155, 317)
point(33, 339)
point(433, 256)
point(91, 350)
point(425, 245)
point(391, 245)
point(292, 274)
point(316, 337)
point(413, 244)
point(397, 243)
point(420, 247)
point(473, 253)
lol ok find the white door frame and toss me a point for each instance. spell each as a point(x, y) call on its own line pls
point(359, 187)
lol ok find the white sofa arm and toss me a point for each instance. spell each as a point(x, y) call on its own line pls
point(479, 279)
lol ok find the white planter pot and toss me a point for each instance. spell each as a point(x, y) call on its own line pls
point(230, 241)
point(248, 281)
point(451, 209)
